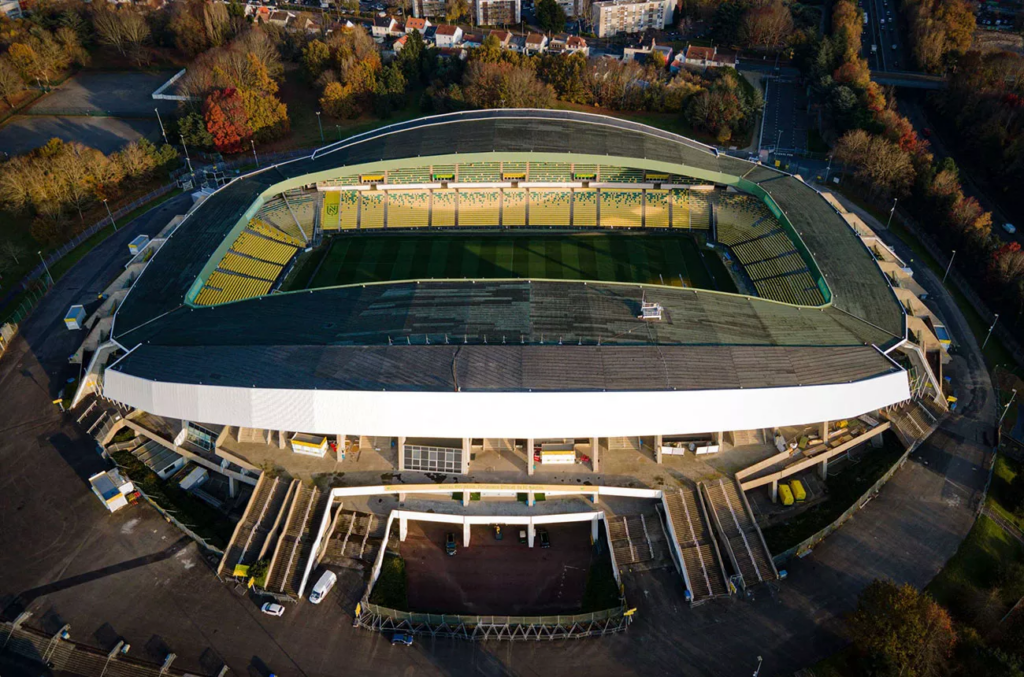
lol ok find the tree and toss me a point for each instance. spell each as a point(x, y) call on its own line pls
point(901, 631)
point(12, 251)
point(11, 83)
point(226, 120)
point(494, 85)
point(338, 101)
point(568, 75)
point(550, 16)
point(454, 10)
point(316, 56)
point(192, 128)
point(767, 23)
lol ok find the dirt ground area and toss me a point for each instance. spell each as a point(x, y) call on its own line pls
point(497, 577)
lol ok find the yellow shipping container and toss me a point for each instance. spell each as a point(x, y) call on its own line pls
point(798, 490)
point(785, 495)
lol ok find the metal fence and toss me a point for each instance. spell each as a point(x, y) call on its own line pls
point(472, 621)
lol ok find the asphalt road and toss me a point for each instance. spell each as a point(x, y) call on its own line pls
point(130, 575)
point(785, 116)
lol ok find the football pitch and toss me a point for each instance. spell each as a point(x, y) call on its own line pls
point(652, 258)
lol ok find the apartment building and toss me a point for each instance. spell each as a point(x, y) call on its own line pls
point(497, 12)
point(612, 17)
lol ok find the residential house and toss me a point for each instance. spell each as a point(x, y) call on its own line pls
point(280, 17)
point(11, 9)
point(383, 26)
point(447, 36)
point(642, 52)
point(416, 24)
point(697, 57)
point(571, 44)
point(504, 38)
point(517, 43)
point(471, 40)
point(400, 43)
point(536, 43)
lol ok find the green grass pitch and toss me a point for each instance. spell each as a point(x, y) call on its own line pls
point(652, 258)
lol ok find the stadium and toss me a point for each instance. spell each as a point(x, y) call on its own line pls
point(494, 293)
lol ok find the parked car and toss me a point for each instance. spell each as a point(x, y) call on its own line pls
point(449, 543)
point(403, 638)
point(522, 536)
point(545, 540)
point(272, 609)
point(322, 587)
point(1010, 228)
point(497, 532)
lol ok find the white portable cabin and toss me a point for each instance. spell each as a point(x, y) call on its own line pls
point(556, 454)
point(310, 445)
point(138, 244)
point(74, 318)
point(111, 488)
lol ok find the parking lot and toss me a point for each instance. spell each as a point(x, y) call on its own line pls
point(497, 577)
point(26, 132)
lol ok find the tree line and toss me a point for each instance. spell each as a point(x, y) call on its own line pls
point(888, 160)
point(56, 183)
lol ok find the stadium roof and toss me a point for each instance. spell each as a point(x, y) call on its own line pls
point(322, 334)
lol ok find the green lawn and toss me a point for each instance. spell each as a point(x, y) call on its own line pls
point(636, 257)
point(390, 589)
point(1000, 498)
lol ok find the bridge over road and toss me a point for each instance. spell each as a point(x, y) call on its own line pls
point(908, 79)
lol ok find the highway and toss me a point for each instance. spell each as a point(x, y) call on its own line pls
point(881, 31)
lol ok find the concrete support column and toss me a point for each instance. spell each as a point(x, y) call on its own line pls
point(719, 439)
point(401, 454)
point(530, 533)
point(824, 468)
point(657, 448)
point(529, 456)
point(467, 447)
point(282, 439)
point(775, 491)
point(401, 497)
point(403, 528)
point(530, 500)
point(232, 487)
point(465, 498)
point(465, 534)
point(595, 451)
point(594, 532)
point(594, 497)
point(824, 431)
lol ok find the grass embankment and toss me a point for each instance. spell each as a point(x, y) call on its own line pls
point(844, 489)
point(212, 525)
point(602, 592)
point(390, 589)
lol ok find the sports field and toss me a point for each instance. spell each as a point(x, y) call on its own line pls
point(614, 257)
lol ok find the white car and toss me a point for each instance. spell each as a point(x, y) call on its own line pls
point(272, 609)
point(1010, 228)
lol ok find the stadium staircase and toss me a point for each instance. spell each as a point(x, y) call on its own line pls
point(912, 421)
point(254, 529)
point(701, 559)
point(629, 539)
point(356, 540)
point(738, 532)
point(294, 546)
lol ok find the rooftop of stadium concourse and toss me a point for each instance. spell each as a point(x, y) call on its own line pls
point(205, 235)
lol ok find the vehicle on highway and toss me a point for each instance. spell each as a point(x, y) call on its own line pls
point(402, 638)
point(1010, 228)
point(449, 543)
point(894, 46)
point(322, 587)
point(272, 609)
point(545, 540)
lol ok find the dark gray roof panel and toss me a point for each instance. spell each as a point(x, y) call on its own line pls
point(479, 368)
point(514, 311)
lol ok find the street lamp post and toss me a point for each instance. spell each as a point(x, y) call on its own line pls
point(1006, 408)
point(255, 157)
point(321, 126)
point(162, 130)
point(989, 334)
point(187, 158)
point(891, 212)
point(112, 222)
point(45, 267)
point(778, 140)
point(338, 128)
point(948, 266)
point(828, 168)
point(758, 670)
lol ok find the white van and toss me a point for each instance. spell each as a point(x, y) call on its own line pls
point(322, 587)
